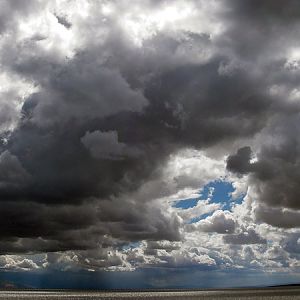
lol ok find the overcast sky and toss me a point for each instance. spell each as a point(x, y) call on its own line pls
point(150, 135)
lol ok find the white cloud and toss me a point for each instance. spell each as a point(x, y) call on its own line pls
point(201, 208)
point(14, 262)
point(220, 222)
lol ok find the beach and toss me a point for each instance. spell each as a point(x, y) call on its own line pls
point(261, 293)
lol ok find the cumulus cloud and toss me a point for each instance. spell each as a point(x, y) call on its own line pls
point(220, 222)
point(13, 262)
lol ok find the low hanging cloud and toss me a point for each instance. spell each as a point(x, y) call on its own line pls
point(111, 112)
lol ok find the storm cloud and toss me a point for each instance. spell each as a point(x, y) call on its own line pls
point(99, 97)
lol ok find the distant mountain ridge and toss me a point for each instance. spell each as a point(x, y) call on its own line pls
point(10, 285)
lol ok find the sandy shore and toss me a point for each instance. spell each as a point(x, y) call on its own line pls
point(267, 293)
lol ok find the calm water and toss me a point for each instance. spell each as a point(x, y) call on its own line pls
point(272, 293)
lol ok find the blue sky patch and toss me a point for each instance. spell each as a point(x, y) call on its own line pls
point(187, 203)
point(218, 191)
point(221, 192)
point(195, 220)
point(131, 245)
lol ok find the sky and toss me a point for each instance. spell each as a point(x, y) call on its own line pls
point(149, 144)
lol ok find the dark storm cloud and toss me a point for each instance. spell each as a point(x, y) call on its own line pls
point(106, 145)
point(261, 29)
point(105, 121)
point(278, 217)
point(12, 172)
point(275, 175)
point(240, 162)
point(267, 10)
point(54, 141)
point(28, 226)
point(137, 220)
